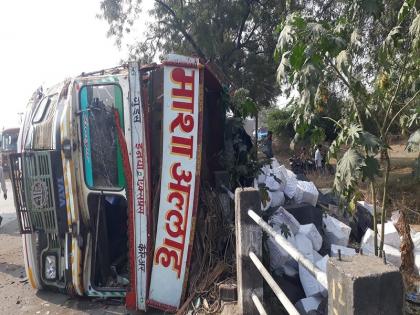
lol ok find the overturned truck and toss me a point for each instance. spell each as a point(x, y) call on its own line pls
point(106, 180)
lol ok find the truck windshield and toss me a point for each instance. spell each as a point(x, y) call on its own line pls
point(101, 151)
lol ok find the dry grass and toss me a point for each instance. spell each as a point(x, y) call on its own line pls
point(404, 191)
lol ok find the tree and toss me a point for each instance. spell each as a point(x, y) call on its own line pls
point(366, 53)
point(238, 36)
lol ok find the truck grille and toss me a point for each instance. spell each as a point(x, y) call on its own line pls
point(35, 199)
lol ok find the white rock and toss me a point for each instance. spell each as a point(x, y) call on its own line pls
point(417, 260)
point(310, 285)
point(308, 304)
point(345, 251)
point(274, 163)
point(304, 245)
point(271, 183)
point(306, 192)
point(311, 232)
point(278, 256)
point(261, 178)
point(316, 255)
point(336, 231)
point(416, 240)
point(391, 236)
point(282, 216)
point(291, 181)
point(322, 263)
point(393, 255)
point(277, 198)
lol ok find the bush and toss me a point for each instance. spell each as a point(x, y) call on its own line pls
point(280, 122)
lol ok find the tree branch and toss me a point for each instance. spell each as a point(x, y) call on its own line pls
point(181, 28)
point(401, 110)
point(241, 28)
point(395, 94)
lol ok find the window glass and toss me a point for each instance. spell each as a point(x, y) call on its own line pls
point(9, 141)
point(101, 150)
point(42, 108)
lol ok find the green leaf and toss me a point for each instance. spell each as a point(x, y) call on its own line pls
point(298, 21)
point(284, 230)
point(249, 108)
point(353, 133)
point(297, 56)
point(370, 168)
point(370, 141)
point(285, 39)
point(372, 7)
point(348, 170)
point(402, 14)
point(415, 31)
point(276, 55)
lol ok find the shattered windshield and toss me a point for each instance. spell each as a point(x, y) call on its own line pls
point(101, 151)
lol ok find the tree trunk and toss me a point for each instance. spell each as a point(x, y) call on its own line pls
point(384, 199)
point(375, 225)
point(256, 138)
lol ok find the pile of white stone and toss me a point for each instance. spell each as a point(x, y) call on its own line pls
point(280, 182)
point(308, 240)
point(392, 242)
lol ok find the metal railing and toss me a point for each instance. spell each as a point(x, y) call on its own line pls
point(249, 225)
point(295, 254)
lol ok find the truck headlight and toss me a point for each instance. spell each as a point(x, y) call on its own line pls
point(50, 267)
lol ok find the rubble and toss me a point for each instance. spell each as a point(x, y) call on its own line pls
point(310, 231)
point(306, 192)
point(391, 236)
point(282, 216)
point(295, 213)
point(392, 254)
point(336, 231)
point(304, 306)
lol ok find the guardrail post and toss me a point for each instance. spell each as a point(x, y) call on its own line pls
point(248, 237)
point(364, 285)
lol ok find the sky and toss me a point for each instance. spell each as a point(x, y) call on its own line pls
point(45, 41)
